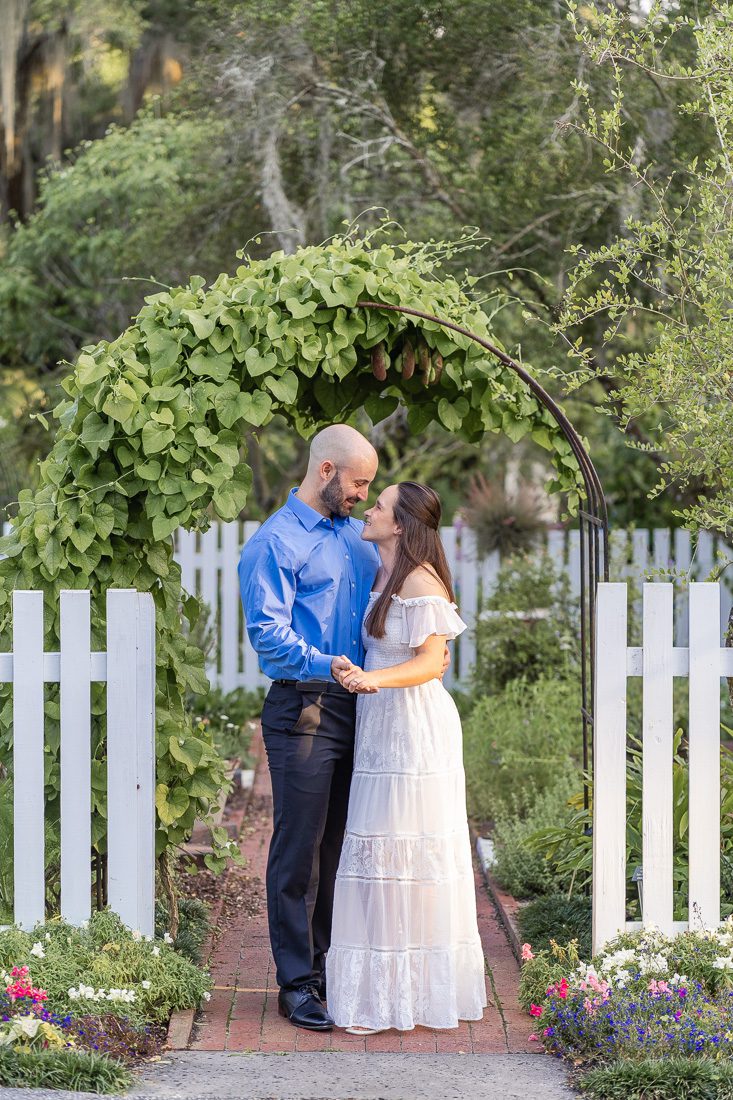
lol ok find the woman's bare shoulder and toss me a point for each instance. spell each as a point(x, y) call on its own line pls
point(422, 581)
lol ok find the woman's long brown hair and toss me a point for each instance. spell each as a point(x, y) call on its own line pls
point(417, 511)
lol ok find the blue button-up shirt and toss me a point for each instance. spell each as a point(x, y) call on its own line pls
point(305, 582)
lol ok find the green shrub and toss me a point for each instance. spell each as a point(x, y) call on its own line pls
point(543, 641)
point(72, 1070)
point(105, 955)
point(660, 1079)
point(519, 742)
point(560, 918)
point(524, 871)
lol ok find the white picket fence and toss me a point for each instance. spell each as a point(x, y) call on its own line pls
point(209, 569)
point(659, 659)
point(128, 669)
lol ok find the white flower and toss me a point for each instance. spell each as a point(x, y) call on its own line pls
point(653, 964)
point(207, 996)
point(679, 979)
point(156, 950)
point(84, 924)
point(48, 936)
point(231, 726)
point(145, 984)
point(617, 959)
point(723, 962)
point(224, 717)
point(38, 951)
point(137, 935)
point(167, 938)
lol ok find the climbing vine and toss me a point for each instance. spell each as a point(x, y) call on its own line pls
point(151, 434)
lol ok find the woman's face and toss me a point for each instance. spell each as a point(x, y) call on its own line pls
point(379, 521)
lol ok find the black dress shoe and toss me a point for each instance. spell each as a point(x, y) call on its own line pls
point(304, 1008)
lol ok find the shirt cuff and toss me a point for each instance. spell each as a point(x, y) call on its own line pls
point(321, 667)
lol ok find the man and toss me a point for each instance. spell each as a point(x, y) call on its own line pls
point(305, 579)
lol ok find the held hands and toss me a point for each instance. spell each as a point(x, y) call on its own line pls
point(353, 678)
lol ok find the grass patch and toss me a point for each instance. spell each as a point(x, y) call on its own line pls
point(71, 1070)
point(660, 1079)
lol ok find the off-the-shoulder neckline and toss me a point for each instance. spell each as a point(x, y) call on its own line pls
point(417, 599)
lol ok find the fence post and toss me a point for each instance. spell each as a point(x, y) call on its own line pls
point(131, 757)
point(609, 757)
point(28, 757)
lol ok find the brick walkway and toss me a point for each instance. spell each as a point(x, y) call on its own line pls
point(242, 1013)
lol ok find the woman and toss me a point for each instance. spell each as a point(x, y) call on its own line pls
point(405, 948)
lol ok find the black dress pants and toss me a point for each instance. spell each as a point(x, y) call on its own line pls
point(309, 738)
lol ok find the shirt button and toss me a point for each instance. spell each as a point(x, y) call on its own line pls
point(347, 557)
point(353, 614)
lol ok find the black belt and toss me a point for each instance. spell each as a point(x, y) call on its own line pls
point(322, 686)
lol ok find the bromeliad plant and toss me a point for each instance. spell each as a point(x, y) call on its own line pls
point(645, 994)
point(150, 437)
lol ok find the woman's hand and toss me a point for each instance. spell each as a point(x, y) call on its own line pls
point(357, 680)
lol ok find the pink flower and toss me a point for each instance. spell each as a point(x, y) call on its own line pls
point(536, 1010)
point(561, 988)
point(589, 1006)
point(527, 952)
point(533, 1038)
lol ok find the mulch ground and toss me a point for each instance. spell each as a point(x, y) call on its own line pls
point(242, 1013)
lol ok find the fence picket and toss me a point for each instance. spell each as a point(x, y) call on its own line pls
point(468, 587)
point(609, 756)
point(657, 722)
point(704, 750)
point(130, 767)
point(251, 675)
point(28, 769)
point(228, 641)
point(75, 755)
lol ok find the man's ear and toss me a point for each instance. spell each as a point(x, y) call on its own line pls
point(327, 470)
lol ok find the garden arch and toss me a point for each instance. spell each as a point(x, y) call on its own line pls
point(151, 432)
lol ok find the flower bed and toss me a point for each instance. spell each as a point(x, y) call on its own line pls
point(645, 997)
point(96, 998)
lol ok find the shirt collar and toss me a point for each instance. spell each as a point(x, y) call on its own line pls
point(308, 516)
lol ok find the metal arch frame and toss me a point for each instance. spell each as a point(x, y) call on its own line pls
point(592, 519)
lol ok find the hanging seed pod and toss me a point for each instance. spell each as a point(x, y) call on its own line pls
point(408, 360)
point(424, 352)
point(379, 365)
point(437, 367)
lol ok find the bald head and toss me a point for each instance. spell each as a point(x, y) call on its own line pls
point(341, 467)
point(341, 445)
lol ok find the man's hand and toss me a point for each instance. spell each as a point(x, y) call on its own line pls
point(339, 665)
point(446, 662)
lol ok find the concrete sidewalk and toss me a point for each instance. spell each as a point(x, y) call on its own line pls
point(187, 1075)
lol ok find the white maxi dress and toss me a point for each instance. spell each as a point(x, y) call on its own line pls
point(405, 948)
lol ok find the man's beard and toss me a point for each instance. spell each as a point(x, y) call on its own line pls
point(332, 496)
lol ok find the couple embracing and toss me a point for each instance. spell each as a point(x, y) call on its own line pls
point(370, 894)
